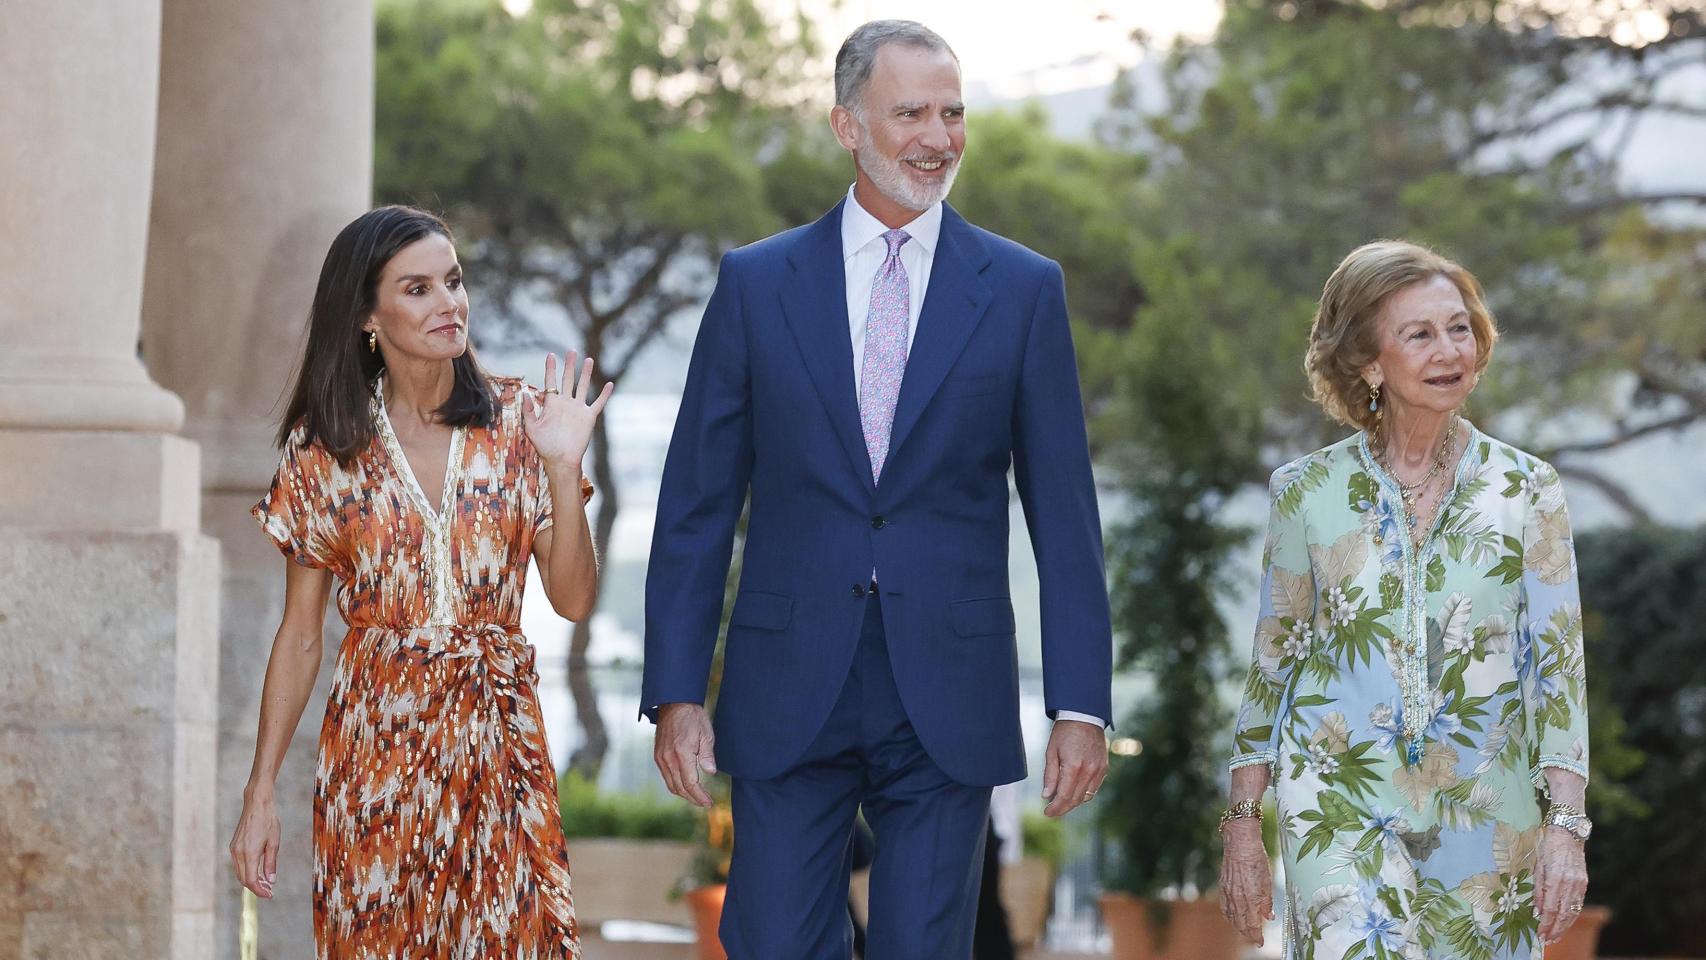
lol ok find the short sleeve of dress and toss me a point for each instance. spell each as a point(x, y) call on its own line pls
point(292, 512)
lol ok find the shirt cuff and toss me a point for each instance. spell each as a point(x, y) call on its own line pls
point(1558, 762)
point(1060, 715)
point(1266, 758)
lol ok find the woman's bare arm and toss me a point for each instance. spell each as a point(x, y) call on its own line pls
point(567, 562)
point(291, 672)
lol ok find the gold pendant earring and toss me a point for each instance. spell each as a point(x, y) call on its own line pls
point(372, 341)
point(1374, 405)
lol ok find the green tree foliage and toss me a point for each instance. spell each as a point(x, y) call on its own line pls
point(1644, 591)
point(1075, 202)
point(596, 159)
point(1304, 129)
point(1185, 447)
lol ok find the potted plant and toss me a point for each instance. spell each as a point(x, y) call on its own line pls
point(706, 881)
point(1187, 442)
point(1160, 820)
point(1581, 941)
point(633, 844)
point(1027, 887)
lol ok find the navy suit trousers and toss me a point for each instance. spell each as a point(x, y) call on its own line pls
point(787, 896)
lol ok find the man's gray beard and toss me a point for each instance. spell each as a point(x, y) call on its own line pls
point(891, 180)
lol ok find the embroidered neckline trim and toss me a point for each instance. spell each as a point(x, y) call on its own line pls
point(437, 522)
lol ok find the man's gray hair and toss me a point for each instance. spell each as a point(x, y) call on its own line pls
point(858, 54)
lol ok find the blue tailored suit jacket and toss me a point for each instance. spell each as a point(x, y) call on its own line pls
point(770, 411)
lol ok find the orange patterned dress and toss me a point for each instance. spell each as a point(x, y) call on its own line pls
point(436, 827)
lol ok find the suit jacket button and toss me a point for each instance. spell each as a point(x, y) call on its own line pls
point(877, 523)
point(858, 591)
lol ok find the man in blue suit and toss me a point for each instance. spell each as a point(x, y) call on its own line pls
point(867, 380)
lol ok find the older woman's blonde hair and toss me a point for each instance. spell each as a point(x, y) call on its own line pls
point(1345, 337)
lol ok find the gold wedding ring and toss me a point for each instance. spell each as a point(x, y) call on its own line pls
point(552, 390)
point(1090, 796)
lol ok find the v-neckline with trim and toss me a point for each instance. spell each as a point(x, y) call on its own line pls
point(1415, 680)
point(406, 471)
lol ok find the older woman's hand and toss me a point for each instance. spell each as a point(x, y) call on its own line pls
point(1246, 878)
point(1560, 882)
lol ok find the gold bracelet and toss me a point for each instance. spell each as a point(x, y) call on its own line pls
point(1242, 810)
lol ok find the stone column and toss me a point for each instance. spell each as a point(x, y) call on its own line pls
point(108, 591)
point(77, 86)
point(265, 152)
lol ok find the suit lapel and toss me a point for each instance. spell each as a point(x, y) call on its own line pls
point(814, 301)
point(954, 302)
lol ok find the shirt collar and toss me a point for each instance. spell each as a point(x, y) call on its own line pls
point(859, 228)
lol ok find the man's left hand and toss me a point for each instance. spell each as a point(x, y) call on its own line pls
point(1076, 763)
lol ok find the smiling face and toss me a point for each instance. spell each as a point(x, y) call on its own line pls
point(1428, 350)
point(420, 308)
point(908, 132)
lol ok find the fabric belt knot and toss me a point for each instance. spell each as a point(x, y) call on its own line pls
point(506, 655)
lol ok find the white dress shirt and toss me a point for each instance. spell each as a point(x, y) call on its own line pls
point(863, 251)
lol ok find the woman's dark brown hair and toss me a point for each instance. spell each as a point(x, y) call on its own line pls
point(334, 382)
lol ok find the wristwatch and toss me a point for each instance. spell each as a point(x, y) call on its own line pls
point(1573, 819)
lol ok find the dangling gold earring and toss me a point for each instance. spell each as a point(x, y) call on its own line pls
point(1374, 406)
point(372, 341)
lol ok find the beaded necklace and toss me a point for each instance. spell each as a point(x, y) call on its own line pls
point(1410, 491)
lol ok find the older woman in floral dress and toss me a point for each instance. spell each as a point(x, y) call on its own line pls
point(1416, 695)
point(422, 487)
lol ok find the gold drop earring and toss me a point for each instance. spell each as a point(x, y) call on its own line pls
point(372, 341)
point(1374, 405)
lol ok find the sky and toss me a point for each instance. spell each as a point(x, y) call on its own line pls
point(1021, 48)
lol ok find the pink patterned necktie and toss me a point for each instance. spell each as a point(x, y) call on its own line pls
point(885, 352)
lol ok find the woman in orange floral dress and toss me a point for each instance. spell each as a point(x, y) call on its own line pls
point(422, 487)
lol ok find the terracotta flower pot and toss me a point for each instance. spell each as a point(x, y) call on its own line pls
point(707, 906)
point(1169, 930)
point(1581, 941)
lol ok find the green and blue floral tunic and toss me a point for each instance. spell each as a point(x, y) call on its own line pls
point(1408, 699)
